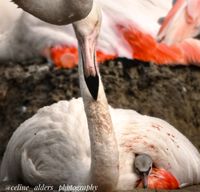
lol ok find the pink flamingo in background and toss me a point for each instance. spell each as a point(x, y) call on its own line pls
point(175, 42)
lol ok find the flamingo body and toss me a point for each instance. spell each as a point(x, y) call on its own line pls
point(53, 147)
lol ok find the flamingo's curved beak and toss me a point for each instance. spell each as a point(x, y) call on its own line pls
point(87, 31)
point(87, 49)
point(90, 68)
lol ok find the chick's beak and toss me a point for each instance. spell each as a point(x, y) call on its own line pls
point(145, 180)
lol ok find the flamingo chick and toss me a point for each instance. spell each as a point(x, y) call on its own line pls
point(143, 165)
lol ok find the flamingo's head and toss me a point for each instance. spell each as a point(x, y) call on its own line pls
point(143, 166)
point(87, 31)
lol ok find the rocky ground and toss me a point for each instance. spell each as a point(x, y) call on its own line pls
point(171, 93)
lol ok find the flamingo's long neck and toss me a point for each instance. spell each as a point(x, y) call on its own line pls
point(104, 150)
point(59, 12)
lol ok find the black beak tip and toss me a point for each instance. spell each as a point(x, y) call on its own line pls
point(145, 181)
point(92, 83)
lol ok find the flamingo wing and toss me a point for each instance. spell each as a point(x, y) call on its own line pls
point(146, 48)
point(169, 149)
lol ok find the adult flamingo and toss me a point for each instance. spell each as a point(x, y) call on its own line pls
point(84, 141)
